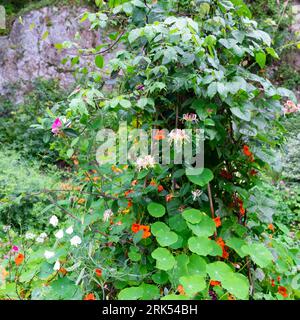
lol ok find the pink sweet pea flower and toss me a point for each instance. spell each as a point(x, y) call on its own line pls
point(15, 248)
point(56, 126)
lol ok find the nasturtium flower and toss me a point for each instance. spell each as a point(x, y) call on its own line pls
point(218, 222)
point(215, 283)
point(271, 227)
point(89, 296)
point(49, 254)
point(169, 197)
point(137, 227)
point(53, 221)
point(160, 188)
point(75, 241)
point(98, 272)
point(283, 291)
point(57, 124)
point(247, 151)
point(180, 290)
point(19, 259)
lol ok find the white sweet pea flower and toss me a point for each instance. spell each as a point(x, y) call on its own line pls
point(54, 221)
point(56, 265)
point(29, 236)
point(59, 234)
point(75, 241)
point(70, 230)
point(49, 254)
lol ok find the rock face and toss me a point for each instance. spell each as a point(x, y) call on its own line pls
point(24, 55)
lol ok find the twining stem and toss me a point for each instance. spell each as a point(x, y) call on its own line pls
point(211, 204)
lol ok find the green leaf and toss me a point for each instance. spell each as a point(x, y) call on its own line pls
point(150, 291)
point(242, 114)
point(99, 61)
point(237, 284)
point(192, 215)
point(158, 226)
point(175, 297)
point(192, 284)
point(133, 35)
point(260, 58)
point(45, 35)
point(200, 245)
point(70, 152)
point(166, 238)
point(258, 253)
point(196, 265)
point(156, 209)
point(200, 177)
point(205, 228)
point(272, 53)
point(218, 270)
point(164, 259)
point(236, 244)
point(133, 293)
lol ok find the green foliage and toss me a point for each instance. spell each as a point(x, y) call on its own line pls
point(156, 230)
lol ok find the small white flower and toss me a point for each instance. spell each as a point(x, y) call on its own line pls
point(54, 221)
point(75, 241)
point(196, 194)
point(59, 234)
point(6, 228)
point(49, 254)
point(29, 236)
point(69, 230)
point(41, 238)
point(107, 214)
point(56, 265)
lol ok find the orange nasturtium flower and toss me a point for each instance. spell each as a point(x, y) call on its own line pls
point(282, 290)
point(180, 290)
point(19, 259)
point(81, 201)
point(247, 151)
point(89, 296)
point(218, 222)
point(160, 188)
point(63, 271)
point(271, 227)
point(137, 227)
point(126, 193)
point(215, 283)
point(160, 135)
point(152, 183)
point(98, 272)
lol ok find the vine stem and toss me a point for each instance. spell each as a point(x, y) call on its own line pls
point(211, 204)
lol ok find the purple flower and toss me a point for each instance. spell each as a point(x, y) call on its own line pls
point(56, 126)
point(15, 248)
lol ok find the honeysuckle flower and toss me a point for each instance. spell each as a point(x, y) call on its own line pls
point(49, 254)
point(107, 214)
point(196, 194)
point(290, 107)
point(75, 241)
point(54, 221)
point(15, 248)
point(59, 234)
point(56, 265)
point(145, 162)
point(29, 236)
point(190, 117)
point(70, 230)
point(57, 124)
point(178, 135)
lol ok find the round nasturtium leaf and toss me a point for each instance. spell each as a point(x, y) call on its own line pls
point(237, 284)
point(159, 226)
point(258, 253)
point(166, 238)
point(134, 256)
point(218, 270)
point(199, 176)
point(205, 228)
point(150, 291)
point(236, 244)
point(192, 215)
point(192, 284)
point(200, 245)
point(160, 277)
point(197, 265)
point(156, 209)
point(175, 297)
point(133, 293)
point(164, 259)
point(177, 223)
